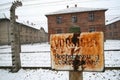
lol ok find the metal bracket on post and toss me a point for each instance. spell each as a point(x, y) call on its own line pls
point(14, 36)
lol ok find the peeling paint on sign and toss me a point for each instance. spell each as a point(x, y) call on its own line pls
point(78, 52)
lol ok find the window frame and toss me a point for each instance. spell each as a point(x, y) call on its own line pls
point(58, 19)
point(74, 19)
point(91, 16)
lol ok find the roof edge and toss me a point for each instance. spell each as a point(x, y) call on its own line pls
point(75, 10)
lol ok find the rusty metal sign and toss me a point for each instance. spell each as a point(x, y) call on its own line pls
point(78, 52)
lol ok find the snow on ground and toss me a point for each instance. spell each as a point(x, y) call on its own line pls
point(107, 75)
point(5, 49)
point(27, 48)
point(33, 74)
point(35, 47)
point(41, 58)
point(112, 44)
point(112, 59)
point(35, 59)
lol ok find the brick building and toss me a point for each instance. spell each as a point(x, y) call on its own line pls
point(83, 19)
point(113, 28)
point(28, 34)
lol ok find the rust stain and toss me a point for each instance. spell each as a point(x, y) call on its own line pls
point(77, 51)
point(77, 62)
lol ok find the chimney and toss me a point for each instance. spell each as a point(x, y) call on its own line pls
point(27, 22)
point(75, 5)
point(67, 6)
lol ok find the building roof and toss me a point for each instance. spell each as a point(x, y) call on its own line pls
point(2, 16)
point(75, 10)
point(115, 19)
point(30, 26)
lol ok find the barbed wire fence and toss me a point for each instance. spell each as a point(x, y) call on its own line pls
point(41, 60)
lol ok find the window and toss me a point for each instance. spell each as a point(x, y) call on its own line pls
point(91, 29)
point(59, 19)
point(91, 16)
point(74, 19)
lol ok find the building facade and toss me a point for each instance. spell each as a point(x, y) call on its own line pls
point(113, 29)
point(79, 18)
point(27, 33)
point(43, 35)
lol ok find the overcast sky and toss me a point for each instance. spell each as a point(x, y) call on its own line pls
point(34, 10)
